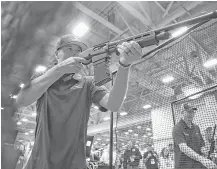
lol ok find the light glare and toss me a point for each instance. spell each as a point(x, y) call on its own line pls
point(147, 106)
point(22, 85)
point(40, 68)
point(210, 63)
point(179, 31)
point(80, 30)
point(123, 113)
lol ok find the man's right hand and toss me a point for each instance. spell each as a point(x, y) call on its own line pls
point(208, 163)
point(71, 65)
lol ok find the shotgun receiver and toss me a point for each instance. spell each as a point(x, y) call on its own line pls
point(100, 54)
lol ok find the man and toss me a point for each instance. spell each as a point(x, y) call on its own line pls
point(132, 157)
point(105, 156)
point(188, 142)
point(63, 104)
point(151, 158)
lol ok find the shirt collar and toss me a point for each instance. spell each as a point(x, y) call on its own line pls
point(183, 123)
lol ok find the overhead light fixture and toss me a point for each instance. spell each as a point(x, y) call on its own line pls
point(22, 85)
point(80, 30)
point(107, 139)
point(31, 131)
point(179, 31)
point(19, 123)
point(148, 129)
point(14, 96)
point(126, 133)
point(40, 68)
point(99, 139)
point(34, 114)
point(144, 136)
point(130, 131)
point(149, 134)
point(24, 119)
point(106, 118)
point(26, 133)
point(103, 144)
point(2, 108)
point(167, 79)
point(139, 127)
point(147, 106)
point(123, 113)
point(136, 135)
point(210, 63)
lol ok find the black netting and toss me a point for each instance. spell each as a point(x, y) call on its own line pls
point(158, 87)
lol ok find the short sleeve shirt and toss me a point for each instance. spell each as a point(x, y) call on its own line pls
point(62, 116)
point(193, 138)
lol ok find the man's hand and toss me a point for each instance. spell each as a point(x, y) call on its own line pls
point(129, 52)
point(71, 65)
point(208, 163)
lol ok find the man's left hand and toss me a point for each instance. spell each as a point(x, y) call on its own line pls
point(129, 52)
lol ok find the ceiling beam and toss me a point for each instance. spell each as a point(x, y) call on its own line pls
point(135, 13)
point(177, 13)
point(126, 23)
point(168, 8)
point(144, 11)
point(95, 16)
point(162, 9)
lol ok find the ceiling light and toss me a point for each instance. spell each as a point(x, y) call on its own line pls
point(148, 129)
point(210, 63)
point(26, 133)
point(123, 113)
point(136, 135)
point(106, 118)
point(144, 136)
point(22, 85)
point(103, 144)
point(80, 30)
point(99, 139)
point(40, 68)
point(14, 96)
point(179, 31)
point(147, 106)
point(137, 141)
point(167, 79)
point(31, 131)
point(24, 119)
point(139, 127)
point(149, 134)
point(122, 143)
point(130, 130)
point(2, 108)
point(19, 123)
point(126, 133)
point(34, 114)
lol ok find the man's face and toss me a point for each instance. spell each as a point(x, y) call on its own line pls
point(129, 144)
point(189, 114)
point(67, 52)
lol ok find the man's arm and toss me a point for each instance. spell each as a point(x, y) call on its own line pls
point(34, 90)
point(130, 52)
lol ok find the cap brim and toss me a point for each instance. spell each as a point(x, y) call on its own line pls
point(82, 45)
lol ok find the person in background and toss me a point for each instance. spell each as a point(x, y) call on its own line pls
point(151, 158)
point(166, 162)
point(188, 142)
point(132, 157)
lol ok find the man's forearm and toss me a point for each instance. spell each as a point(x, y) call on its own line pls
point(191, 153)
point(34, 90)
point(119, 89)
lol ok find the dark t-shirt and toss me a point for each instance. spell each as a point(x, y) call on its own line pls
point(62, 116)
point(152, 162)
point(193, 138)
point(127, 157)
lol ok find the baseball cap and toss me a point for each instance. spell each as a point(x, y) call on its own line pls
point(187, 106)
point(70, 40)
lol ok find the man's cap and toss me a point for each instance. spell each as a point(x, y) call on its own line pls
point(70, 40)
point(187, 107)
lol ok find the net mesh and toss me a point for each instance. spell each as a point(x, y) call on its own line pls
point(181, 72)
